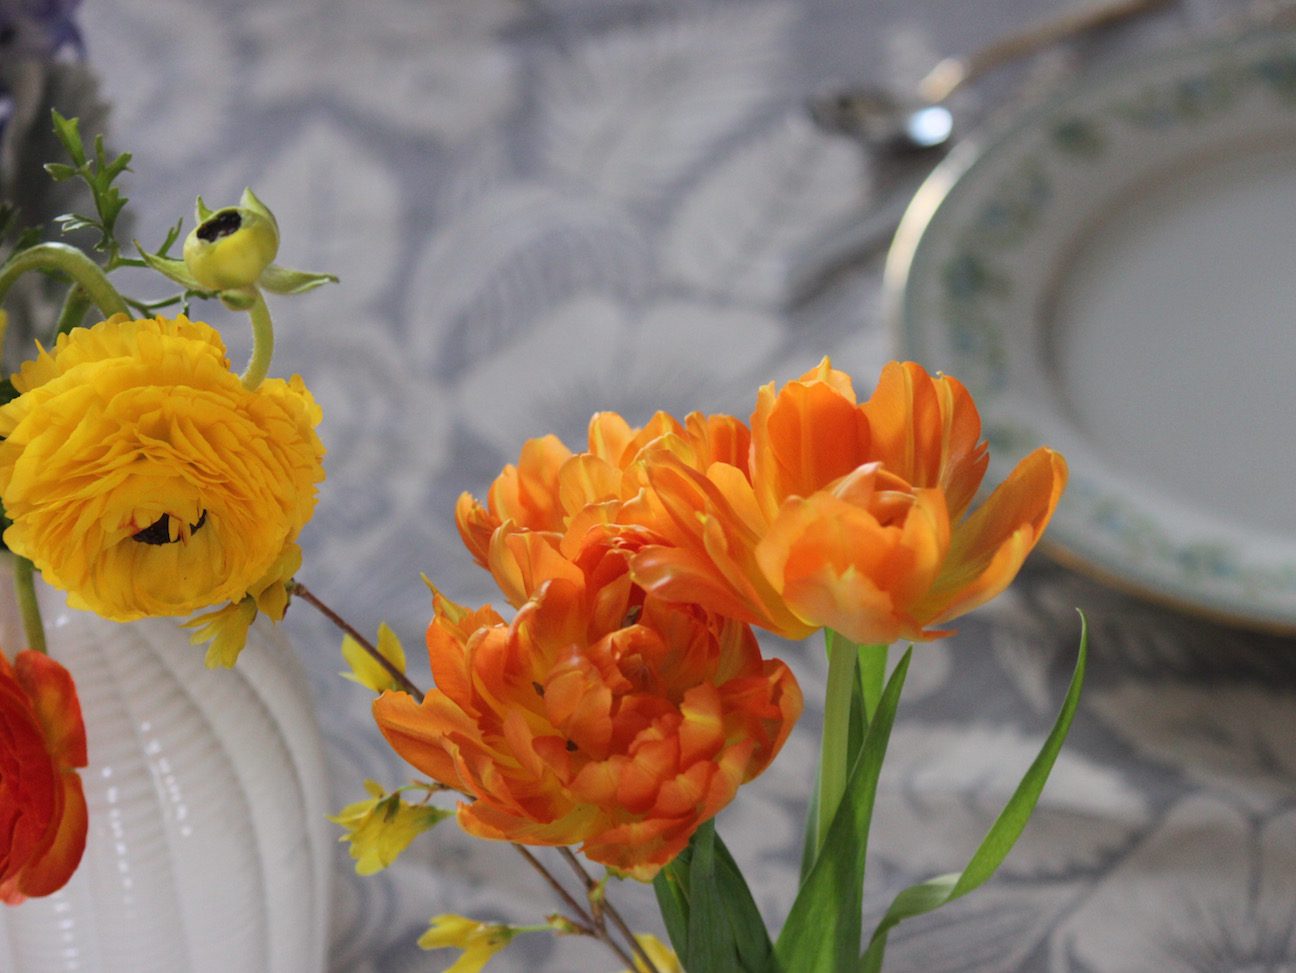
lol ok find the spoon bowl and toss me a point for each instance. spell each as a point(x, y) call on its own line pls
point(882, 120)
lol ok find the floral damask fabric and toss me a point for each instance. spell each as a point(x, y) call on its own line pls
point(565, 206)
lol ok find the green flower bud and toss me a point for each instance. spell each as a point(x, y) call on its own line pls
point(230, 247)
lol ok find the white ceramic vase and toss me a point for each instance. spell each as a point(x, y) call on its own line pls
point(208, 847)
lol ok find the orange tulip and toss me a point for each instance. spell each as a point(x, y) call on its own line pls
point(555, 493)
point(849, 516)
point(598, 717)
point(42, 808)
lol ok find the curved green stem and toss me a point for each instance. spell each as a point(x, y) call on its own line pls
point(60, 257)
point(258, 365)
point(74, 309)
point(28, 607)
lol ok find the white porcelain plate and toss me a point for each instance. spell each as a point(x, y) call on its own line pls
point(1114, 275)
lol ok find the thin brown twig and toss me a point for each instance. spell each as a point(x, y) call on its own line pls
point(295, 587)
point(609, 909)
point(592, 923)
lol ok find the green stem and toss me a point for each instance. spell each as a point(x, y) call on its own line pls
point(834, 753)
point(64, 259)
point(74, 309)
point(258, 365)
point(28, 607)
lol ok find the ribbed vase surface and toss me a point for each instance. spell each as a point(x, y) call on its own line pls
point(208, 846)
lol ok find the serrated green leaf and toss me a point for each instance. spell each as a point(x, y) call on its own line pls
point(65, 130)
point(60, 172)
point(999, 840)
point(173, 234)
point(283, 280)
point(71, 222)
point(119, 165)
point(822, 932)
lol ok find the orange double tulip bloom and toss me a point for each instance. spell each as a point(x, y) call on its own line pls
point(599, 716)
point(849, 516)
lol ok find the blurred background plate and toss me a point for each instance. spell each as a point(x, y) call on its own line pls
point(1112, 274)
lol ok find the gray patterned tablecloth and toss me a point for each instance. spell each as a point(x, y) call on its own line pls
point(542, 208)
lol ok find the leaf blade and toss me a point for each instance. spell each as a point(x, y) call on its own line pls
point(1003, 834)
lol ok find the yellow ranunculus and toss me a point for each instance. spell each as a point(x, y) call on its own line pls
point(144, 479)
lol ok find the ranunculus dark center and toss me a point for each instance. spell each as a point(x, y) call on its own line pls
point(159, 532)
point(224, 223)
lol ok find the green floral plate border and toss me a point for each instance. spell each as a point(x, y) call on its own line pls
point(978, 247)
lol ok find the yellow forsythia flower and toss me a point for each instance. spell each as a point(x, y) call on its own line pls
point(365, 670)
point(479, 941)
point(382, 827)
point(144, 479)
point(663, 956)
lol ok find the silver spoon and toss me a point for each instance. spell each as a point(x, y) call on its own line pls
point(886, 120)
point(920, 127)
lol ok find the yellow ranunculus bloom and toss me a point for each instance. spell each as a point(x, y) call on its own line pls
point(144, 479)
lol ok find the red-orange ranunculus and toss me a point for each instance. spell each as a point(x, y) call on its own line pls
point(42, 808)
point(850, 516)
point(599, 716)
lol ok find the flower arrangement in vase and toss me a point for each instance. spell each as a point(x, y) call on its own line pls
point(624, 700)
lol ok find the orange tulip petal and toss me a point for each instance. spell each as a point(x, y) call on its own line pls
point(927, 430)
point(988, 548)
point(806, 437)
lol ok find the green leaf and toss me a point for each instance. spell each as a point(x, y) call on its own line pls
point(710, 940)
point(60, 172)
point(999, 840)
point(282, 280)
point(822, 932)
point(671, 887)
point(65, 130)
point(170, 268)
point(755, 951)
point(70, 222)
point(710, 915)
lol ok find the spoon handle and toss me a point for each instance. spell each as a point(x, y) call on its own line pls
point(954, 72)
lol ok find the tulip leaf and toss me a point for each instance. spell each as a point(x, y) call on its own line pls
point(999, 840)
point(755, 951)
point(709, 912)
point(822, 932)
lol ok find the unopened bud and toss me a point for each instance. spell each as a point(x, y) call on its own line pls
point(231, 247)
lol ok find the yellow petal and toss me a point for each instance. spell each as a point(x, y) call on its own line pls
point(365, 669)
